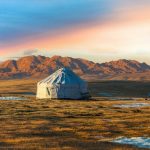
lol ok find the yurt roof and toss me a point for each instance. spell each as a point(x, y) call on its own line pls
point(63, 76)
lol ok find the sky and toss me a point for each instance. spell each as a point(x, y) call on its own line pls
point(98, 30)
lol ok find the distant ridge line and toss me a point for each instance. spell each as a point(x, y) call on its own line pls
point(42, 66)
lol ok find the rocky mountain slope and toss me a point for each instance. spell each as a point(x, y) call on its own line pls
point(41, 66)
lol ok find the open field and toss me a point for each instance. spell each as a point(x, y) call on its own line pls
point(116, 88)
point(65, 124)
point(121, 88)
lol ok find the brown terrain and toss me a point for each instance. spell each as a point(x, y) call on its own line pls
point(40, 66)
point(32, 124)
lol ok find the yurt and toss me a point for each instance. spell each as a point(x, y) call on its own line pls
point(63, 84)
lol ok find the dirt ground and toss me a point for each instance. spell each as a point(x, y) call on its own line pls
point(69, 124)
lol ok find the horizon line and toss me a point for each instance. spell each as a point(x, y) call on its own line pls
point(17, 58)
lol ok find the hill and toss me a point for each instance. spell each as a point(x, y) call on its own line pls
point(41, 66)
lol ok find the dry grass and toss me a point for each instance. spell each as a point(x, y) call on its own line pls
point(64, 124)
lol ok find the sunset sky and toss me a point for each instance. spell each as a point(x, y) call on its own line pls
point(98, 30)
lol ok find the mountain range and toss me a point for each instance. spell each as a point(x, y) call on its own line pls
point(41, 66)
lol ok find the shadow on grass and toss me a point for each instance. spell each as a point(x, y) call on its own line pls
point(3, 145)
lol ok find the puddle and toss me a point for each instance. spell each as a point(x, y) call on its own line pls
point(12, 98)
point(21, 93)
point(122, 98)
point(133, 105)
point(110, 97)
point(141, 142)
point(29, 94)
point(105, 94)
point(99, 137)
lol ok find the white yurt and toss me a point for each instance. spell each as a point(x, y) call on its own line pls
point(63, 84)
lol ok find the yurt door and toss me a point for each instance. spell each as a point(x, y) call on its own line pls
point(54, 92)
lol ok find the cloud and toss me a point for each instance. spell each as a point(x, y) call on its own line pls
point(91, 28)
point(21, 19)
point(30, 52)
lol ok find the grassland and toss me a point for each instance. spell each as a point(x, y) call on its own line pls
point(64, 124)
